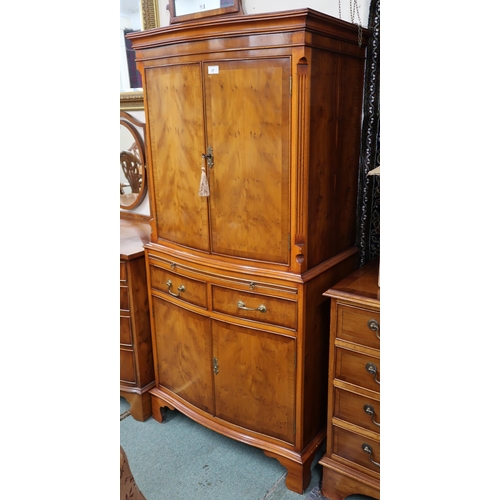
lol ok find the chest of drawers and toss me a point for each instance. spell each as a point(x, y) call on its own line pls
point(351, 464)
point(136, 356)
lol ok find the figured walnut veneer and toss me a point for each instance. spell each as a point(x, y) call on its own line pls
point(347, 468)
point(236, 279)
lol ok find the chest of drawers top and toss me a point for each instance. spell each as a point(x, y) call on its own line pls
point(134, 234)
point(362, 286)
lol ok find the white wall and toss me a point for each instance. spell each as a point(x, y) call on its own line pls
point(330, 7)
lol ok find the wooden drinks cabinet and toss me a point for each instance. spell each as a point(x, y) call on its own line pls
point(264, 111)
point(351, 464)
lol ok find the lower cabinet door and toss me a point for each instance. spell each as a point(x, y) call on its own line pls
point(254, 378)
point(183, 353)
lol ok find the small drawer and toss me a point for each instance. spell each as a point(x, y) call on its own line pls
point(124, 302)
point(357, 409)
point(125, 331)
point(358, 369)
point(179, 286)
point(123, 271)
point(127, 370)
point(357, 325)
point(254, 306)
point(356, 448)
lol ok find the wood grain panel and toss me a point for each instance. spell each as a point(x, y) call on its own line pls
point(248, 108)
point(349, 407)
point(183, 353)
point(351, 367)
point(255, 383)
point(195, 291)
point(127, 369)
point(349, 446)
point(353, 325)
point(278, 311)
point(124, 302)
point(125, 331)
point(177, 143)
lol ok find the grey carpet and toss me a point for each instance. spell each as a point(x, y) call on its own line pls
point(182, 460)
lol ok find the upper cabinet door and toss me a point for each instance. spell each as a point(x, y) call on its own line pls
point(176, 129)
point(248, 128)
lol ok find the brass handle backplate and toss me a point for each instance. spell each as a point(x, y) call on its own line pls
point(368, 449)
point(181, 288)
point(261, 308)
point(372, 370)
point(369, 410)
point(374, 326)
point(209, 157)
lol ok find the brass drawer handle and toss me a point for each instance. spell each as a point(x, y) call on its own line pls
point(369, 410)
point(181, 288)
point(261, 308)
point(374, 327)
point(372, 370)
point(368, 449)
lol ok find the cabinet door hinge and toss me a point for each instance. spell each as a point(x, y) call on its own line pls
point(215, 365)
point(289, 242)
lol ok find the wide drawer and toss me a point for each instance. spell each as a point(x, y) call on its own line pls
point(356, 448)
point(125, 331)
point(123, 271)
point(255, 306)
point(358, 325)
point(357, 409)
point(358, 369)
point(127, 370)
point(124, 301)
point(180, 286)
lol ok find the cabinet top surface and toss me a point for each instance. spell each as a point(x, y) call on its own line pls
point(361, 284)
point(133, 236)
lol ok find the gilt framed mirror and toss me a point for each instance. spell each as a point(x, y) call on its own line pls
point(135, 15)
point(187, 10)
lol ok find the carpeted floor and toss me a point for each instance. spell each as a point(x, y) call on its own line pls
point(182, 460)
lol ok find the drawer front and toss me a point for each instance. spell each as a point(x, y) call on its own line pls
point(357, 409)
point(255, 306)
point(127, 370)
point(183, 288)
point(357, 325)
point(351, 446)
point(357, 369)
point(123, 271)
point(126, 331)
point(124, 301)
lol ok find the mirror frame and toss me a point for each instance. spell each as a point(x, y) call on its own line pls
point(133, 100)
point(234, 9)
point(130, 123)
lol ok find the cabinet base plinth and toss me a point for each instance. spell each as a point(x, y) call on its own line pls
point(340, 481)
point(140, 404)
point(298, 474)
point(298, 465)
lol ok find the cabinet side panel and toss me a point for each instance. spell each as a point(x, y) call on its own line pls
point(248, 108)
point(316, 346)
point(183, 350)
point(336, 106)
point(175, 116)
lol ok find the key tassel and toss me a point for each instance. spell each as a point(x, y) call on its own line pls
point(204, 189)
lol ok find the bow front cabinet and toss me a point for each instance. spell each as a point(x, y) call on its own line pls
point(264, 112)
